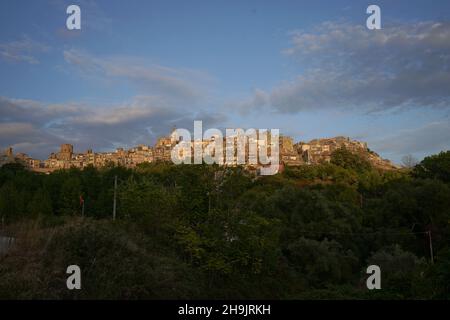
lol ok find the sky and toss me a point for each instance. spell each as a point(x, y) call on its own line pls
point(138, 68)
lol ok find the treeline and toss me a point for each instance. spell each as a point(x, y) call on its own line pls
point(200, 231)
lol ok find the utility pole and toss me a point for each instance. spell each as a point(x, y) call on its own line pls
point(115, 198)
point(431, 245)
point(209, 201)
point(82, 205)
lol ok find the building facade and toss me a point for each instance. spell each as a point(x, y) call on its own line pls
point(290, 154)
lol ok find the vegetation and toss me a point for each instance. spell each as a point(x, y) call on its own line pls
point(198, 231)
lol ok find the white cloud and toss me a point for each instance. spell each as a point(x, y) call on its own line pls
point(352, 68)
point(38, 128)
point(166, 97)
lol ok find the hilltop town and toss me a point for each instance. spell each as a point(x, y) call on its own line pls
point(291, 154)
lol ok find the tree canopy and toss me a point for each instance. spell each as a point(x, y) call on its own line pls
point(198, 231)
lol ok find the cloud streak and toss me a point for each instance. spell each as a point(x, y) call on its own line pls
point(352, 68)
point(428, 138)
point(23, 50)
point(182, 84)
point(39, 128)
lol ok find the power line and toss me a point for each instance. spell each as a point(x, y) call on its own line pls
point(365, 233)
point(115, 197)
point(407, 233)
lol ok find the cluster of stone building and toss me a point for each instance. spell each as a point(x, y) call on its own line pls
point(9, 157)
point(290, 153)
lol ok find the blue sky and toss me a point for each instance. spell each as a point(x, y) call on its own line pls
point(310, 68)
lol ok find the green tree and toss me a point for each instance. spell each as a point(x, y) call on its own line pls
point(11, 202)
point(323, 262)
point(349, 160)
point(41, 203)
point(440, 275)
point(400, 270)
point(434, 167)
point(70, 196)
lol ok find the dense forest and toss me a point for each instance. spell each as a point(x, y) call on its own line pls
point(200, 231)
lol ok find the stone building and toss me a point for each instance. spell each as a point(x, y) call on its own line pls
point(65, 153)
point(9, 152)
point(163, 147)
point(320, 150)
point(22, 158)
point(288, 154)
point(6, 156)
point(291, 154)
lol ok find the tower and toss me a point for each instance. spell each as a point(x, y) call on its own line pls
point(9, 152)
point(65, 152)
